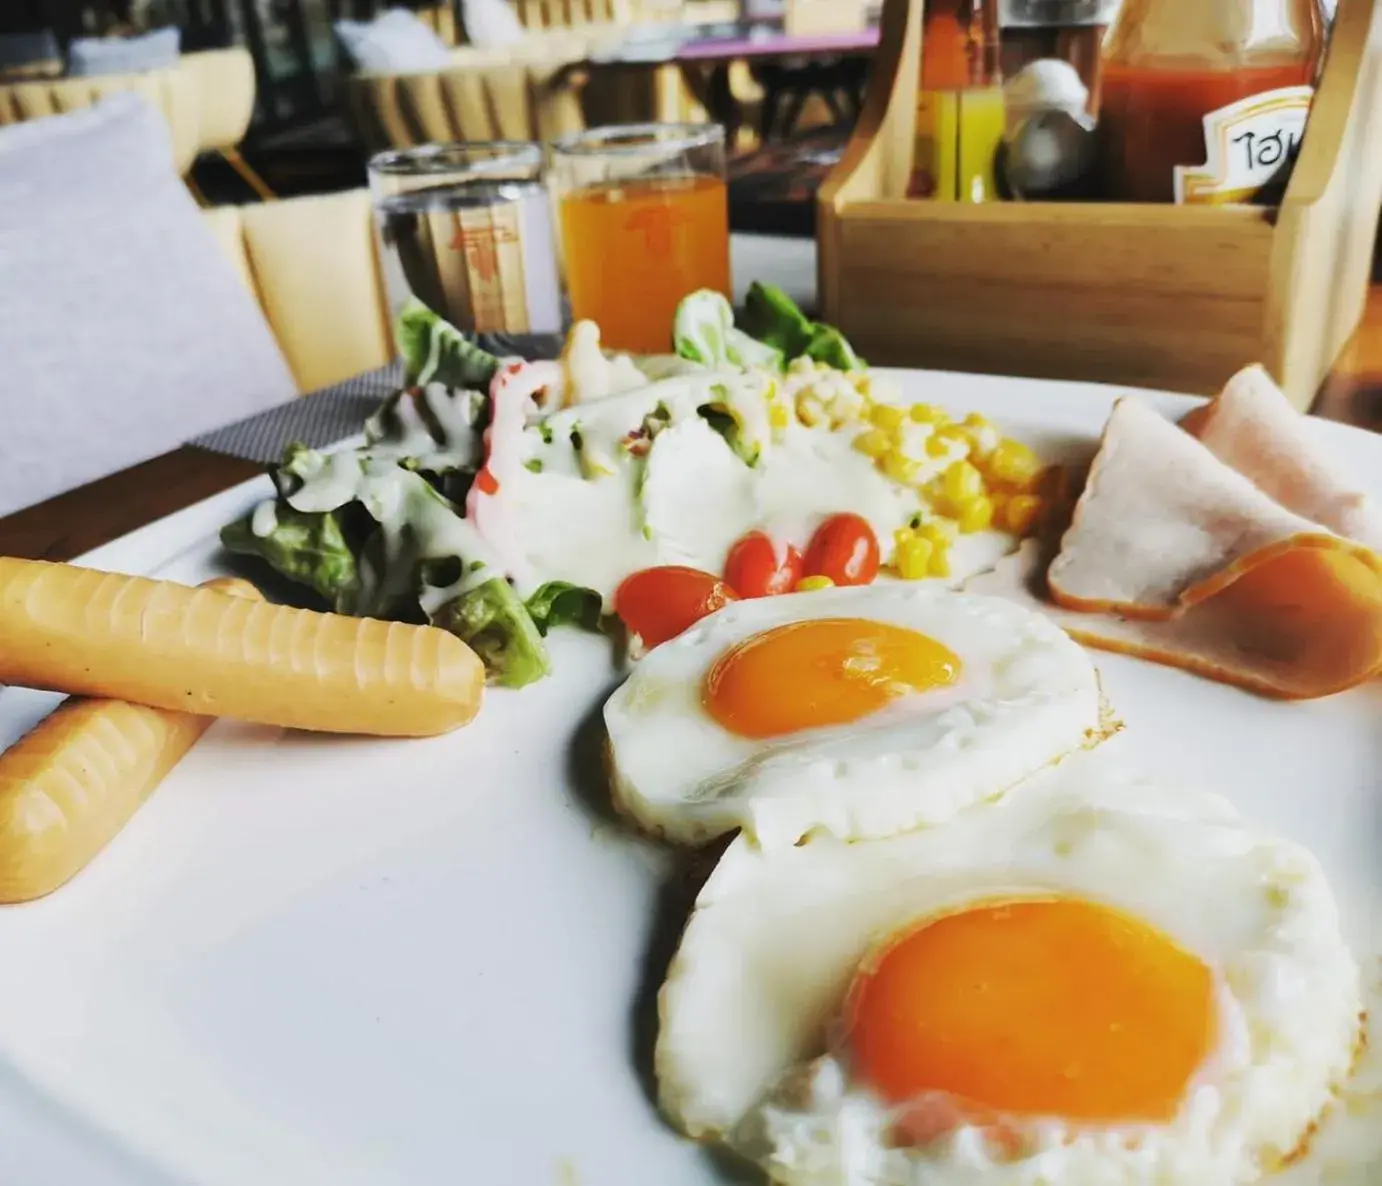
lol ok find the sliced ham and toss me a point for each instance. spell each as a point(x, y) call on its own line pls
point(1176, 555)
point(1241, 637)
point(1252, 428)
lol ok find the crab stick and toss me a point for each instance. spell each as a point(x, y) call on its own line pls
point(70, 784)
point(206, 652)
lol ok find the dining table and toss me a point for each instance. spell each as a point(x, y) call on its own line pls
point(79, 520)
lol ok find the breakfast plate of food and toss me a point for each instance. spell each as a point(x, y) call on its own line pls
point(740, 765)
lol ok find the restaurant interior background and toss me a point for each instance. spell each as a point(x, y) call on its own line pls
point(302, 139)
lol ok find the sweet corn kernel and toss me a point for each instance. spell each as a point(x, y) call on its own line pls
point(913, 560)
point(1014, 464)
point(937, 445)
point(983, 437)
point(901, 468)
point(928, 414)
point(777, 416)
point(810, 411)
point(939, 565)
point(976, 515)
point(887, 417)
point(1021, 513)
point(846, 407)
point(955, 439)
point(939, 531)
point(962, 483)
point(873, 443)
point(812, 584)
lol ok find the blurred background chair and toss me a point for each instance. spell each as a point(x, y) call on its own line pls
point(225, 85)
point(173, 92)
point(30, 55)
point(485, 94)
point(312, 264)
point(207, 99)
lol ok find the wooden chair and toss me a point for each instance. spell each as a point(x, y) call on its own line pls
point(225, 82)
point(441, 19)
point(528, 94)
point(173, 91)
point(571, 14)
point(207, 99)
point(313, 265)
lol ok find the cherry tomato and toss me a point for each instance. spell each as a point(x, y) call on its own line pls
point(659, 603)
point(756, 568)
point(844, 549)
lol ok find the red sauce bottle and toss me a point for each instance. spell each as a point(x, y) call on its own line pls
point(1205, 100)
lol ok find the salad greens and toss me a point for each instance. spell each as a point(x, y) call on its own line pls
point(771, 316)
point(494, 622)
point(703, 331)
point(771, 333)
point(382, 530)
point(560, 603)
point(308, 547)
point(434, 351)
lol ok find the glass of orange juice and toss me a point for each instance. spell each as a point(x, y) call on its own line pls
point(644, 219)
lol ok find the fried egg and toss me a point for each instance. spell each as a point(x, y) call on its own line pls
point(1091, 982)
point(855, 712)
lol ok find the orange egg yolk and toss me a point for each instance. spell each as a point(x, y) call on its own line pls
point(1057, 1008)
point(830, 671)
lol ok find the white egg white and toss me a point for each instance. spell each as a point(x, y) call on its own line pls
point(1027, 695)
point(776, 938)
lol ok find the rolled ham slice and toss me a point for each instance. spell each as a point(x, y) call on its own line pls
point(1271, 649)
point(1173, 555)
point(1252, 428)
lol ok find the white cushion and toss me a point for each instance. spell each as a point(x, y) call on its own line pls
point(491, 23)
point(89, 56)
point(395, 42)
point(124, 330)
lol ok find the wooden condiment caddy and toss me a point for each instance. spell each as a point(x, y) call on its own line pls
point(1173, 297)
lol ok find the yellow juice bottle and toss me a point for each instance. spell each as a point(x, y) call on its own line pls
point(960, 120)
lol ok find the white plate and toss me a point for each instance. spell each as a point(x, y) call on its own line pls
point(348, 962)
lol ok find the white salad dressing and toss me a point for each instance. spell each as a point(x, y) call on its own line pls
point(814, 473)
point(264, 521)
point(673, 471)
point(603, 489)
point(411, 515)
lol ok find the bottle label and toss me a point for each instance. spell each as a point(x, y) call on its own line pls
point(1248, 144)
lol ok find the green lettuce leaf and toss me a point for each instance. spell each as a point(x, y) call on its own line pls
point(560, 603)
point(308, 547)
point(434, 351)
point(703, 331)
point(772, 317)
point(723, 421)
point(494, 622)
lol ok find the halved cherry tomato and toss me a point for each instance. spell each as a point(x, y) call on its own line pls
point(756, 568)
point(844, 549)
point(659, 603)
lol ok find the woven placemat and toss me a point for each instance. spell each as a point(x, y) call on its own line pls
point(339, 412)
point(318, 420)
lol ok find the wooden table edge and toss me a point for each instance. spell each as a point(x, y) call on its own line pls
point(70, 524)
